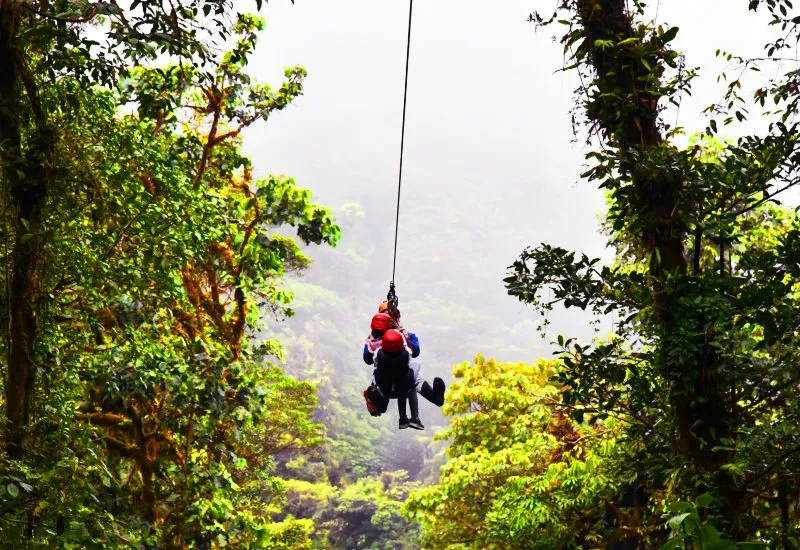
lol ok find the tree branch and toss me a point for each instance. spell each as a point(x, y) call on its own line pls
point(780, 460)
point(85, 18)
point(698, 235)
point(768, 197)
point(30, 89)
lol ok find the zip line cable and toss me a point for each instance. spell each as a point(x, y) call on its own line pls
point(392, 297)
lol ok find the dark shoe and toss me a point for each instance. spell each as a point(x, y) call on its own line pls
point(404, 423)
point(433, 394)
point(438, 390)
point(416, 424)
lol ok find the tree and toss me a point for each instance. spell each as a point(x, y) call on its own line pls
point(702, 361)
point(155, 253)
point(363, 514)
point(541, 480)
point(44, 43)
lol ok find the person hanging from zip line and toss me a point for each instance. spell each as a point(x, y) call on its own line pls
point(383, 322)
point(393, 378)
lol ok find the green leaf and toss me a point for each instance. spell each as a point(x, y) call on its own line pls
point(669, 35)
point(705, 500)
point(676, 521)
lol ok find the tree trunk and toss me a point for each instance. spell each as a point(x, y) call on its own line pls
point(21, 369)
point(25, 175)
point(627, 113)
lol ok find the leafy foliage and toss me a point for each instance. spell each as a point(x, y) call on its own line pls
point(363, 514)
point(702, 362)
point(148, 257)
point(521, 473)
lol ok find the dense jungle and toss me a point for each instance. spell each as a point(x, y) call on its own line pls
point(594, 241)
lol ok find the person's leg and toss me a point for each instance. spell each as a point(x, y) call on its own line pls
point(414, 422)
point(415, 367)
point(435, 393)
point(401, 408)
point(410, 389)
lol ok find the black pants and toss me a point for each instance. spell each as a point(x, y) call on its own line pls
point(401, 387)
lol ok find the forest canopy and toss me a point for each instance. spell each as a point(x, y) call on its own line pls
point(175, 374)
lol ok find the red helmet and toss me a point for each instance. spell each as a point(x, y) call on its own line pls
point(381, 321)
point(393, 341)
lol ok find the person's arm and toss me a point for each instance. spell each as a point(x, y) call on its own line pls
point(413, 341)
point(367, 355)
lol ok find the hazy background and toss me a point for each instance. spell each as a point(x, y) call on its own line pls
point(491, 164)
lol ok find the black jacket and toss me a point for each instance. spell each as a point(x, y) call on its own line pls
point(392, 373)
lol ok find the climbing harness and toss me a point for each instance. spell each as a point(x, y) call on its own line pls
point(391, 297)
point(391, 302)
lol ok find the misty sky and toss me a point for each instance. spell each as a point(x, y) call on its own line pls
point(488, 128)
